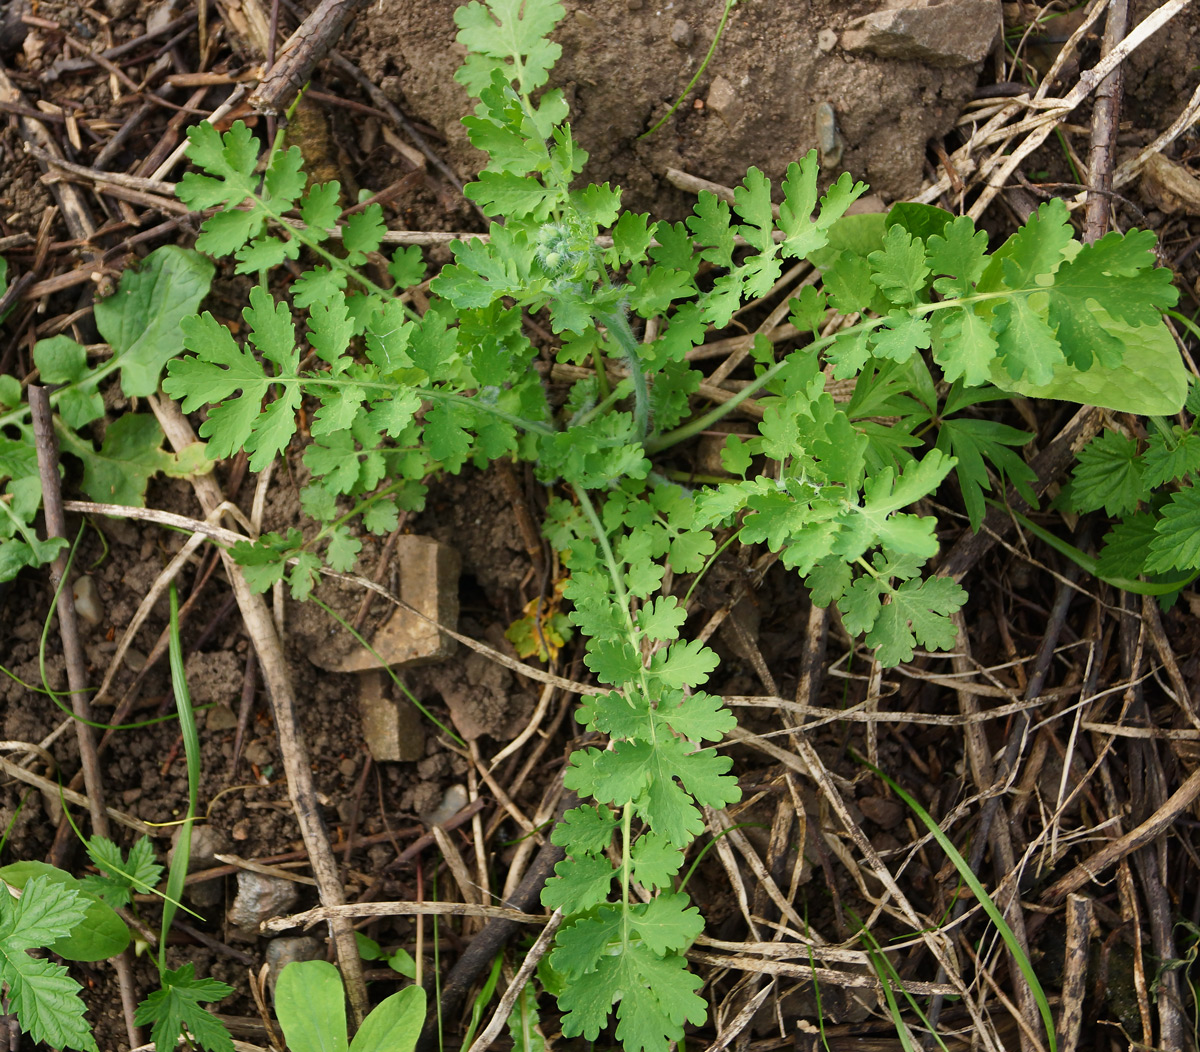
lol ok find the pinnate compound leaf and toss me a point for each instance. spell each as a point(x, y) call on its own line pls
point(508, 29)
point(654, 997)
point(655, 861)
point(964, 346)
point(1037, 249)
point(901, 337)
point(218, 368)
point(667, 922)
point(139, 872)
point(586, 829)
point(320, 208)
point(709, 225)
point(959, 255)
point(899, 268)
point(687, 663)
point(178, 1006)
point(662, 618)
point(1026, 342)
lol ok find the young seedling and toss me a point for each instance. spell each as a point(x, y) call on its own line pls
point(311, 1005)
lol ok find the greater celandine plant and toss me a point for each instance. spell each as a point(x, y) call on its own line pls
point(913, 307)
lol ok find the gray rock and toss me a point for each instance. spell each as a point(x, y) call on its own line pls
point(681, 34)
point(258, 898)
point(287, 950)
point(87, 601)
point(724, 102)
point(936, 32)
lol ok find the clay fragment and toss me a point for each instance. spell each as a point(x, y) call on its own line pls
point(429, 584)
point(393, 729)
point(936, 32)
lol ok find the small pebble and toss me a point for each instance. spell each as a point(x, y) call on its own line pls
point(288, 950)
point(681, 33)
point(827, 40)
point(260, 897)
point(453, 801)
point(87, 600)
point(135, 660)
point(347, 767)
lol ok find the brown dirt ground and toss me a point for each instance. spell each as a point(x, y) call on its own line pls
point(620, 68)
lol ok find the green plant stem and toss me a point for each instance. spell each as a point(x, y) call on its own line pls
point(618, 328)
point(1092, 566)
point(191, 749)
point(729, 6)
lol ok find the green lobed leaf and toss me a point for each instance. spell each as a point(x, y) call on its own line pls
point(176, 1007)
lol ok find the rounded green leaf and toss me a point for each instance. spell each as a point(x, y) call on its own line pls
point(1151, 379)
point(100, 935)
point(394, 1025)
point(311, 1005)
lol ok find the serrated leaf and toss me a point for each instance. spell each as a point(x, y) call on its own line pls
point(586, 829)
point(661, 618)
point(43, 996)
point(1108, 474)
point(899, 268)
point(177, 1007)
point(319, 208)
point(1027, 345)
point(579, 883)
point(508, 29)
point(1176, 544)
point(918, 613)
point(959, 255)
point(683, 664)
point(1172, 457)
point(363, 234)
point(655, 861)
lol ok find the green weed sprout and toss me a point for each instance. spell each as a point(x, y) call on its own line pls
point(310, 1002)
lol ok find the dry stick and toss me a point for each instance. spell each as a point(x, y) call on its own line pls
point(1087, 82)
point(68, 626)
point(1079, 924)
point(313, 41)
point(504, 1008)
point(1105, 115)
point(277, 679)
point(92, 175)
point(1092, 867)
point(495, 935)
point(56, 526)
point(1154, 886)
point(987, 778)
